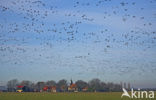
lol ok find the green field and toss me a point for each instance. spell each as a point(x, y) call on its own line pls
point(63, 96)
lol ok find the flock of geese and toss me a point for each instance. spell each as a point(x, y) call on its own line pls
point(31, 22)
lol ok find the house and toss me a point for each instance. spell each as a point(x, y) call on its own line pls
point(49, 88)
point(19, 88)
point(45, 88)
point(53, 89)
point(72, 87)
point(85, 89)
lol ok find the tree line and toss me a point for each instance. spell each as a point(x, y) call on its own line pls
point(62, 85)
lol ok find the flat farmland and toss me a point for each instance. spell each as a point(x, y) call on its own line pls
point(64, 96)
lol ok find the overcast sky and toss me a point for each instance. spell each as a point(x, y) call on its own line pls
point(113, 40)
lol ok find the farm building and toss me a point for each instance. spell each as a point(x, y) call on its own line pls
point(49, 88)
point(72, 87)
point(21, 88)
point(85, 89)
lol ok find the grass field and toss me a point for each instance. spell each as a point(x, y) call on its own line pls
point(64, 96)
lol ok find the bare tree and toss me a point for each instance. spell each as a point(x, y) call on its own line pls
point(51, 83)
point(62, 85)
point(39, 86)
point(81, 84)
point(95, 85)
point(12, 85)
point(103, 87)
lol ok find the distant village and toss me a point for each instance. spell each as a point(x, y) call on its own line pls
point(94, 85)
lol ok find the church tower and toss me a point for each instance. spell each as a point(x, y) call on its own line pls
point(71, 82)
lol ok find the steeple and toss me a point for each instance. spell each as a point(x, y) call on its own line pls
point(71, 82)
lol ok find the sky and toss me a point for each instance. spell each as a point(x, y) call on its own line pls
point(113, 40)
